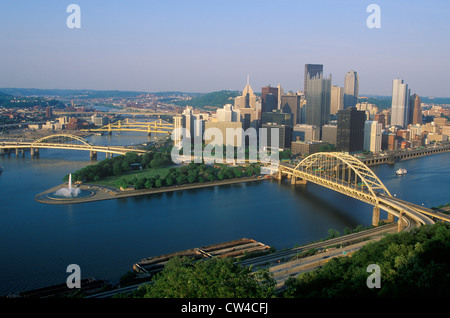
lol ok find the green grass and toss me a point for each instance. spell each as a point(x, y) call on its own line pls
point(112, 181)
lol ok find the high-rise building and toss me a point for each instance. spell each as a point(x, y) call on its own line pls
point(185, 120)
point(284, 135)
point(247, 99)
point(269, 99)
point(337, 99)
point(416, 106)
point(318, 94)
point(227, 113)
point(350, 130)
point(329, 134)
point(278, 117)
point(372, 136)
point(311, 71)
point(48, 112)
point(400, 103)
point(292, 103)
point(351, 89)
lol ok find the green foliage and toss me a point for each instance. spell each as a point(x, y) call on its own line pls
point(413, 264)
point(214, 99)
point(121, 164)
point(212, 278)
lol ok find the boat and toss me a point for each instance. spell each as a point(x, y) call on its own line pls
point(401, 171)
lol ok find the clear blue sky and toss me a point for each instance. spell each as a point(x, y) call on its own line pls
point(209, 45)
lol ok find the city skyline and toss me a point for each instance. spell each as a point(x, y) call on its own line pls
point(202, 46)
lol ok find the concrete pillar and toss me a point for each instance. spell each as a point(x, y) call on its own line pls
point(295, 180)
point(376, 216)
point(391, 218)
point(93, 155)
point(401, 224)
point(17, 152)
point(32, 152)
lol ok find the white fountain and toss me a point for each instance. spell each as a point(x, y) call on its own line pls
point(68, 192)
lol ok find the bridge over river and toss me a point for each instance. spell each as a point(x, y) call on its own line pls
point(64, 141)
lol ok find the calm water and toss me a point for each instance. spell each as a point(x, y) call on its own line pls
point(38, 241)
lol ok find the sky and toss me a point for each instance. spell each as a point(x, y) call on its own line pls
point(212, 45)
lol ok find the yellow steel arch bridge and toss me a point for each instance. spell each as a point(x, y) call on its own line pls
point(158, 126)
point(69, 142)
point(348, 175)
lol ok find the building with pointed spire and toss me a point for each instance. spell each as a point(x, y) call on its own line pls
point(247, 99)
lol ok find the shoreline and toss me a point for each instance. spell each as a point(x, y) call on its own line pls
point(101, 193)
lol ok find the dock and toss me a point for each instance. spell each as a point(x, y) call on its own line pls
point(236, 249)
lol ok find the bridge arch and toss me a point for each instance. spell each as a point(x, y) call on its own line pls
point(345, 170)
point(60, 138)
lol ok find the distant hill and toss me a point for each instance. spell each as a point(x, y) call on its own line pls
point(213, 99)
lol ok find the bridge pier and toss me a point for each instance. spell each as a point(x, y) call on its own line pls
point(401, 224)
point(295, 180)
point(391, 218)
point(376, 216)
point(93, 155)
point(34, 152)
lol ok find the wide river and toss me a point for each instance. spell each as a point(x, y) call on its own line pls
point(38, 241)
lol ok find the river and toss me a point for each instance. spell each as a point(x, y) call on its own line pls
point(105, 238)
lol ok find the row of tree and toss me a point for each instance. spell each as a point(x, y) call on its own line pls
point(121, 164)
point(191, 173)
point(411, 264)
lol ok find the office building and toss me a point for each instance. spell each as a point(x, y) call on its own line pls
point(337, 99)
point(329, 134)
point(400, 103)
point(311, 71)
point(247, 99)
point(284, 135)
point(303, 132)
point(350, 130)
point(307, 147)
point(318, 94)
point(228, 113)
point(222, 128)
point(351, 89)
point(372, 136)
point(416, 106)
point(292, 103)
point(269, 99)
point(277, 117)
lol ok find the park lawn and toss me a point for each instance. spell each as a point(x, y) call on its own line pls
point(151, 172)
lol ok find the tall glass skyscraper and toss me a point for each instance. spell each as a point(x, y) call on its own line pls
point(311, 71)
point(400, 103)
point(318, 95)
point(351, 89)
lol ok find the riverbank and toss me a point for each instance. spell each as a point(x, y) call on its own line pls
point(100, 193)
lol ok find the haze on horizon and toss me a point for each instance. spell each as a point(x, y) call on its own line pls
point(204, 46)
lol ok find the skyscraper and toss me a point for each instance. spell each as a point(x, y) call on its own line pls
point(337, 99)
point(269, 99)
point(247, 99)
point(351, 89)
point(318, 93)
point(416, 105)
point(291, 103)
point(400, 103)
point(311, 71)
point(350, 130)
point(372, 136)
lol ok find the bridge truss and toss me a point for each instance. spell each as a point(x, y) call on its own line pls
point(158, 126)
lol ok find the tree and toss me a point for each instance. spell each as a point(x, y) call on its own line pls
point(214, 278)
